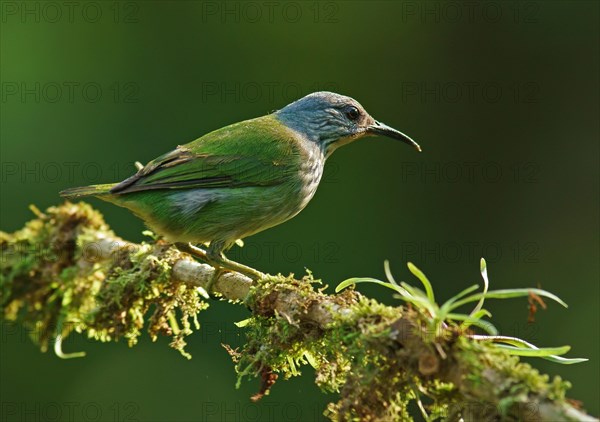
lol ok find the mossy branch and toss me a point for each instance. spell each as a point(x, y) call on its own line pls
point(67, 271)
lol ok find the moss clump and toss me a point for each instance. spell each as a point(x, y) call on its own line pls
point(52, 277)
point(139, 282)
point(291, 341)
point(503, 380)
point(39, 275)
point(357, 353)
point(382, 360)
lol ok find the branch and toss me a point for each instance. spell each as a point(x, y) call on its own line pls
point(67, 271)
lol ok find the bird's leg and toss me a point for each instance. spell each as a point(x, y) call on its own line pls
point(201, 253)
point(192, 250)
point(215, 256)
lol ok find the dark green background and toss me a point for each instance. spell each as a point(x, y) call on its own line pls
point(504, 93)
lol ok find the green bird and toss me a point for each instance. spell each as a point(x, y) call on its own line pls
point(243, 178)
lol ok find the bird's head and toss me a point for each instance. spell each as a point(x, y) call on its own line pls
point(332, 120)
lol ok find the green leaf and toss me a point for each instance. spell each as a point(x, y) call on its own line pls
point(537, 352)
point(419, 274)
point(521, 347)
point(486, 283)
point(388, 272)
point(476, 321)
point(445, 308)
point(420, 299)
point(414, 291)
point(507, 294)
point(481, 313)
point(355, 280)
point(514, 341)
point(565, 361)
point(421, 302)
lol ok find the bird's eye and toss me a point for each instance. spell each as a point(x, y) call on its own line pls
point(352, 113)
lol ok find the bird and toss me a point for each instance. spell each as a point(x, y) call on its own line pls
point(243, 178)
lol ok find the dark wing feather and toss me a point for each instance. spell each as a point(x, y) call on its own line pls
point(183, 169)
point(178, 155)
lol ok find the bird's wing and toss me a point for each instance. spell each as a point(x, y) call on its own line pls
point(221, 160)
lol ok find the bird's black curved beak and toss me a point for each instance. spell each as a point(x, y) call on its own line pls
point(379, 128)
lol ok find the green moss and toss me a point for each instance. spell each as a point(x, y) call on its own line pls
point(50, 275)
point(380, 359)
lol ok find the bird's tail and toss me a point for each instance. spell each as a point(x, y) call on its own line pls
point(93, 190)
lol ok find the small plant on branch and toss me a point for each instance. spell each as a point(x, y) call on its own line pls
point(440, 317)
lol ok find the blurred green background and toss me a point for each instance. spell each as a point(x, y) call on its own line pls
point(502, 96)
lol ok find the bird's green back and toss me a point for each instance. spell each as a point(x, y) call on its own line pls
point(257, 152)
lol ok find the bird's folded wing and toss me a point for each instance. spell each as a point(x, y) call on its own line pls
point(184, 169)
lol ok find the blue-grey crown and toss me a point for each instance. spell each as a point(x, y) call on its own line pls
point(320, 117)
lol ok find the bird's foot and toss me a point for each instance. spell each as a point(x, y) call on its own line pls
point(217, 259)
point(220, 263)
